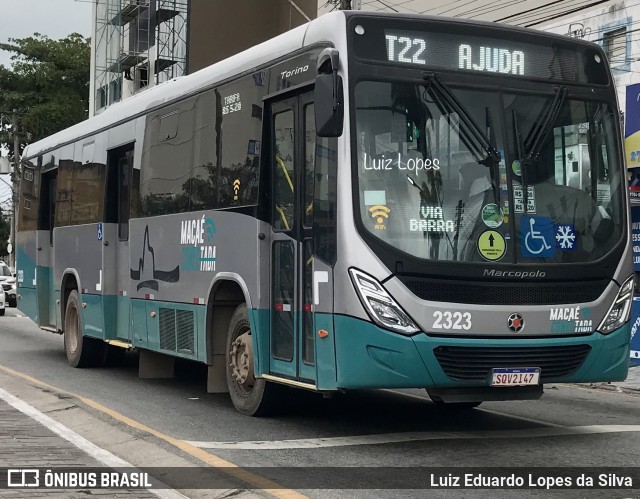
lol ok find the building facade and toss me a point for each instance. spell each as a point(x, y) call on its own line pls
point(137, 44)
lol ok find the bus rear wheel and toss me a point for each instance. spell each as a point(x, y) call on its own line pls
point(81, 351)
point(250, 396)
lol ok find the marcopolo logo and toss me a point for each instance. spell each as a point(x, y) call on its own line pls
point(516, 274)
point(515, 323)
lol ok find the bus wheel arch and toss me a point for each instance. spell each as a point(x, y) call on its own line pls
point(70, 282)
point(224, 298)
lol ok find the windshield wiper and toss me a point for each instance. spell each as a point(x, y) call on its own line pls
point(528, 151)
point(482, 147)
point(456, 106)
point(542, 126)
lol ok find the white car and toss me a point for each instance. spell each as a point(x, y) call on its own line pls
point(8, 282)
point(2, 301)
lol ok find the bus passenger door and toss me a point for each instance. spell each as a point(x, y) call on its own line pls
point(45, 286)
point(292, 339)
point(115, 244)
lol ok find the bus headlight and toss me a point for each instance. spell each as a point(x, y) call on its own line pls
point(619, 312)
point(379, 304)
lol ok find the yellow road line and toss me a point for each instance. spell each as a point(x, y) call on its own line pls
point(225, 466)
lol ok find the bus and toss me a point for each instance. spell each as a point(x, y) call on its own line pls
point(366, 201)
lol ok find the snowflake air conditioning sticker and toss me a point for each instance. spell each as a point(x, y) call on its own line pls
point(565, 236)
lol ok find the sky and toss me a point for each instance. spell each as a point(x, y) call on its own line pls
point(54, 18)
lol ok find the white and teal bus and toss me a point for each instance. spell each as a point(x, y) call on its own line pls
point(366, 201)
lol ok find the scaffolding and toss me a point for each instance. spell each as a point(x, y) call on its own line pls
point(139, 43)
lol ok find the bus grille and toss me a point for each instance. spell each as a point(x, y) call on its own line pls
point(475, 363)
point(505, 293)
point(176, 330)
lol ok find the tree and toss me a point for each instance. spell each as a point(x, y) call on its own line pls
point(48, 85)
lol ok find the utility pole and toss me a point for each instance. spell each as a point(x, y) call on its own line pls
point(16, 187)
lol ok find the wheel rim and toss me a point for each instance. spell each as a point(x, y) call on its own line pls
point(72, 329)
point(242, 362)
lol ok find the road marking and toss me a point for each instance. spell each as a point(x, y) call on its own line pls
point(482, 409)
point(97, 453)
point(420, 436)
point(521, 418)
point(227, 467)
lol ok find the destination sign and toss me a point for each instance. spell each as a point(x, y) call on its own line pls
point(467, 53)
point(458, 46)
point(492, 59)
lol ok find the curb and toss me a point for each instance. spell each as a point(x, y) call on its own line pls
point(611, 387)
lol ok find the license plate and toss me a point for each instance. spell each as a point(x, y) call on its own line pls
point(523, 376)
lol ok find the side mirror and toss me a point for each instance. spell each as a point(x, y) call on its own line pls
point(329, 95)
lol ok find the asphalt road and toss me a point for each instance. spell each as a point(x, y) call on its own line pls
point(569, 426)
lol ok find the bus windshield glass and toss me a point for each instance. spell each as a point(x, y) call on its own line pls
point(452, 174)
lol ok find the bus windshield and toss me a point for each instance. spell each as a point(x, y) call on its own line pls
point(451, 174)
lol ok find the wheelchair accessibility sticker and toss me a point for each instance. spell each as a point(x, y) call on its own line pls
point(537, 237)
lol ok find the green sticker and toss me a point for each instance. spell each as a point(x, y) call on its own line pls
point(491, 245)
point(492, 215)
point(515, 166)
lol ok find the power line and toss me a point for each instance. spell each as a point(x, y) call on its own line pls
point(546, 10)
point(592, 4)
point(526, 11)
point(560, 10)
point(595, 16)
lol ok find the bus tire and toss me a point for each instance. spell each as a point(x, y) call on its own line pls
point(81, 351)
point(250, 396)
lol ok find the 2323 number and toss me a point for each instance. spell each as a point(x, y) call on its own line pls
point(455, 320)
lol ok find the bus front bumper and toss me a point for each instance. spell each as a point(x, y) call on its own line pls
point(370, 357)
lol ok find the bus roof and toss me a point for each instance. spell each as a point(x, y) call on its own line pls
point(177, 88)
point(317, 30)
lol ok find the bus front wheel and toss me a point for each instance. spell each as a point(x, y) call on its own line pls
point(250, 396)
point(81, 351)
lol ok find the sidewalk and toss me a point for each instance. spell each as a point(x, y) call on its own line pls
point(42, 427)
point(25, 443)
point(630, 385)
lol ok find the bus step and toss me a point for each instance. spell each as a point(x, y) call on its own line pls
point(51, 329)
point(120, 344)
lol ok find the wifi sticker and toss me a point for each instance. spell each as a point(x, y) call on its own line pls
point(379, 213)
point(236, 189)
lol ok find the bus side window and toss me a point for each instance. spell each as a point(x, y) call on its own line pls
point(283, 176)
point(119, 187)
point(324, 199)
point(46, 217)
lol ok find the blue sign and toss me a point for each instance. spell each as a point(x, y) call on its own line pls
point(565, 237)
point(537, 237)
point(635, 332)
point(632, 126)
point(634, 185)
point(99, 232)
point(635, 237)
